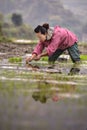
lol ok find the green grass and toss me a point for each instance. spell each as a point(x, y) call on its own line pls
point(45, 58)
point(83, 57)
point(82, 44)
point(15, 59)
point(19, 59)
point(5, 39)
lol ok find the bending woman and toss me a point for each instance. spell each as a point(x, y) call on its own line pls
point(55, 41)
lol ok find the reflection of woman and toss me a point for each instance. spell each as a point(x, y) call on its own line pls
point(45, 93)
point(56, 40)
point(52, 91)
point(38, 97)
point(43, 98)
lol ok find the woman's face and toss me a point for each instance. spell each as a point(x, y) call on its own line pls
point(42, 37)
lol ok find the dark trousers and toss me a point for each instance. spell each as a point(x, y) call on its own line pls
point(73, 52)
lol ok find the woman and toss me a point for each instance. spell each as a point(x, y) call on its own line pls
point(56, 40)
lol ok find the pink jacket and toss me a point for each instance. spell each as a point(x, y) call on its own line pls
point(61, 39)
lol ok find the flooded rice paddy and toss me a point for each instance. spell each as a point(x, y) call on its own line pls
point(34, 97)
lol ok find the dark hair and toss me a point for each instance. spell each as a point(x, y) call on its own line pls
point(46, 25)
point(43, 29)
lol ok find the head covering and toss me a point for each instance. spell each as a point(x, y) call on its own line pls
point(49, 33)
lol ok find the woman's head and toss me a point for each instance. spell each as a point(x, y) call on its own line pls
point(41, 31)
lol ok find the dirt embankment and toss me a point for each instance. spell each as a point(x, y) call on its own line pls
point(12, 49)
point(15, 49)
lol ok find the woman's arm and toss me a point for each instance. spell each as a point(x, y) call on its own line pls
point(41, 55)
point(38, 48)
point(44, 54)
point(37, 51)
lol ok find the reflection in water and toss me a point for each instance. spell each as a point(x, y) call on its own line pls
point(37, 96)
point(23, 109)
point(48, 91)
point(36, 101)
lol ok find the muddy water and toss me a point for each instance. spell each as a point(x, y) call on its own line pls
point(33, 99)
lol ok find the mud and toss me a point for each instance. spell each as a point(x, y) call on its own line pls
point(8, 50)
point(19, 49)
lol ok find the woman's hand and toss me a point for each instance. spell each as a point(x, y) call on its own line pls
point(37, 57)
point(29, 59)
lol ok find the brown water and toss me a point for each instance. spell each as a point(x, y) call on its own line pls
point(40, 100)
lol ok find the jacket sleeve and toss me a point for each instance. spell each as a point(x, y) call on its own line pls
point(38, 49)
point(55, 42)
